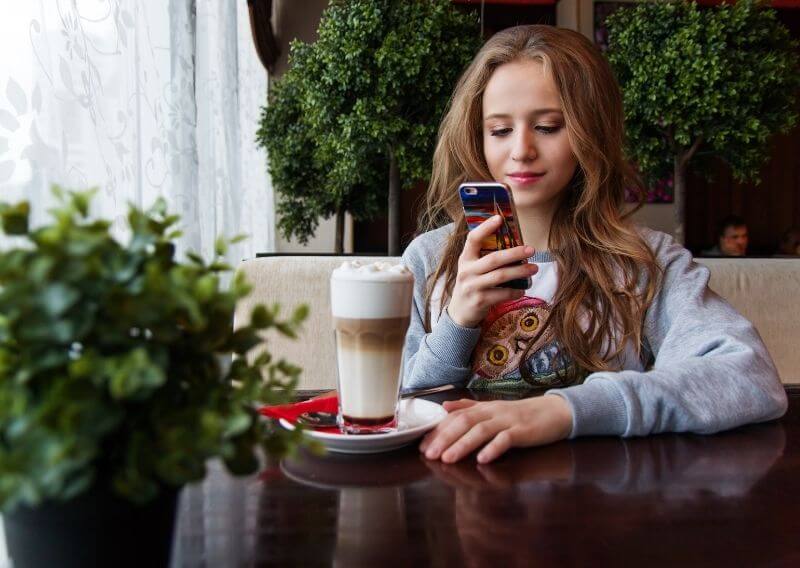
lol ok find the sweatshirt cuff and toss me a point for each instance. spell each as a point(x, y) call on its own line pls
point(598, 408)
point(452, 343)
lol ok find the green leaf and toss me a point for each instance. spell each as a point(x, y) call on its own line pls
point(134, 375)
point(57, 298)
point(237, 424)
point(15, 218)
point(243, 340)
point(261, 318)
point(300, 313)
point(195, 258)
point(221, 246)
point(81, 201)
point(206, 287)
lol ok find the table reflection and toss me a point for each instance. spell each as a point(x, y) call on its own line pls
point(371, 520)
point(560, 503)
point(674, 466)
point(534, 503)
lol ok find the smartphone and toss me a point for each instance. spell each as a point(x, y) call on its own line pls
point(482, 200)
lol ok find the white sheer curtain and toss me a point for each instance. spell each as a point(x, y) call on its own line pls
point(140, 99)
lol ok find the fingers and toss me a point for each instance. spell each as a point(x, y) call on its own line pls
point(449, 430)
point(502, 265)
point(502, 275)
point(499, 445)
point(453, 444)
point(461, 432)
point(452, 405)
point(502, 258)
point(472, 248)
point(474, 438)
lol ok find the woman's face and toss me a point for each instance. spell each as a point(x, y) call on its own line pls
point(525, 142)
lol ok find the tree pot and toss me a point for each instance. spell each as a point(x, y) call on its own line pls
point(96, 528)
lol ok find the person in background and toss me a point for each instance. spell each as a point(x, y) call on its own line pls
point(731, 238)
point(790, 243)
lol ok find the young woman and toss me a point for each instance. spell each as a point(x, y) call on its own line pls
point(619, 328)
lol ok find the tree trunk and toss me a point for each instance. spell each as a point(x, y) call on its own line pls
point(681, 164)
point(679, 189)
point(339, 247)
point(394, 205)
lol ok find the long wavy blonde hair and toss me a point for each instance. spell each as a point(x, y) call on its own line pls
point(608, 276)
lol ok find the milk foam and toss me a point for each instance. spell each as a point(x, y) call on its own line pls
point(380, 270)
point(371, 291)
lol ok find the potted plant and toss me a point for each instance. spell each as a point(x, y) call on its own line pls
point(114, 389)
point(702, 83)
point(354, 119)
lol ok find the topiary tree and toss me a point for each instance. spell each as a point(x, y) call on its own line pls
point(702, 83)
point(354, 119)
point(299, 171)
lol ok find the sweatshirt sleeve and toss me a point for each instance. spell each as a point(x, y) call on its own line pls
point(442, 356)
point(712, 371)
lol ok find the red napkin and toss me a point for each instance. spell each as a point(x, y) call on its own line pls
point(290, 412)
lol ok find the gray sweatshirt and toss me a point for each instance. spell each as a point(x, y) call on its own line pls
point(711, 370)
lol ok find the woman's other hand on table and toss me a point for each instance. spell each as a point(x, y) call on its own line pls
point(497, 426)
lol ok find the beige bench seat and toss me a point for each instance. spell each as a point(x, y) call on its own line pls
point(764, 290)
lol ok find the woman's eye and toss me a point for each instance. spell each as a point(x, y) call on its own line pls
point(500, 131)
point(548, 129)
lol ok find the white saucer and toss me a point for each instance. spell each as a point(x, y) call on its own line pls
point(416, 417)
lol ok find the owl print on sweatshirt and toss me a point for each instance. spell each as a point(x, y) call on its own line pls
point(518, 349)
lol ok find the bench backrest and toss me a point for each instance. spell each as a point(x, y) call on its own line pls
point(764, 290)
point(767, 292)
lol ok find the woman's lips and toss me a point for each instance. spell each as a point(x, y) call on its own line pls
point(525, 177)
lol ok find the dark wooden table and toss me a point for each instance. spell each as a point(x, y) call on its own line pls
point(729, 499)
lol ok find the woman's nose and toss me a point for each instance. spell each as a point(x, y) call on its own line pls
point(523, 149)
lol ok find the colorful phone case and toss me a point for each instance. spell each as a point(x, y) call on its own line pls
point(483, 200)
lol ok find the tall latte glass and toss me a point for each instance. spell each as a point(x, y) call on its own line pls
point(371, 306)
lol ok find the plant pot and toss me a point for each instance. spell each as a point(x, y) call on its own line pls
point(96, 528)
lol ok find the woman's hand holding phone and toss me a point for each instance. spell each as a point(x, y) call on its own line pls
point(478, 279)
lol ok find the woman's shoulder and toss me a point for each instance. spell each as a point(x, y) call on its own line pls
point(428, 247)
point(654, 239)
point(676, 262)
point(663, 245)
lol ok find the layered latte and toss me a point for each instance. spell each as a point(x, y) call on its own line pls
point(371, 306)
